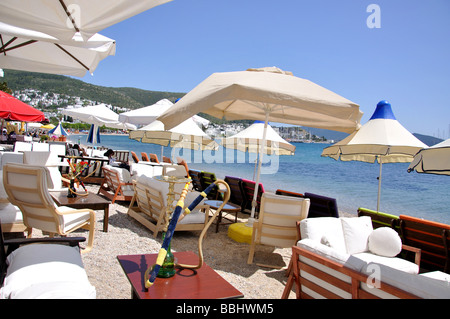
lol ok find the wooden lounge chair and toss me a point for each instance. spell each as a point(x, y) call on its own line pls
point(181, 161)
point(277, 222)
point(432, 238)
point(206, 179)
point(144, 157)
point(114, 187)
point(249, 189)
point(167, 160)
point(134, 156)
point(149, 207)
point(380, 219)
point(27, 189)
point(322, 206)
point(196, 182)
point(288, 193)
point(237, 195)
point(153, 158)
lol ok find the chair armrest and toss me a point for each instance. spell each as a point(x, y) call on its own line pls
point(416, 251)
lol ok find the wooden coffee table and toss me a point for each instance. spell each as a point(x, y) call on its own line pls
point(91, 201)
point(203, 283)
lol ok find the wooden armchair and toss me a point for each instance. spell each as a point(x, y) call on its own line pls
point(277, 222)
point(150, 196)
point(115, 187)
point(27, 188)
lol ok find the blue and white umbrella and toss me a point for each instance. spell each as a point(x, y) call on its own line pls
point(58, 130)
point(382, 139)
point(94, 134)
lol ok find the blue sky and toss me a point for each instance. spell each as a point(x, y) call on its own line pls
point(406, 61)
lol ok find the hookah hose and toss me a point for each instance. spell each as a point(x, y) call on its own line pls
point(150, 274)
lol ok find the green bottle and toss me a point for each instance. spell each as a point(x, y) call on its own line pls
point(167, 269)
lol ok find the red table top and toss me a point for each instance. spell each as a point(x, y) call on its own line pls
point(203, 283)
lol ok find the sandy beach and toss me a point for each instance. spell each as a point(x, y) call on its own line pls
point(227, 257)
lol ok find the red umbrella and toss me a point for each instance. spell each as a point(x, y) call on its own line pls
point(15, 110)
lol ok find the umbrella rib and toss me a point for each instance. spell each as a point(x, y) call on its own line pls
point(73, 57)
point(4, 47)
point(69, 15)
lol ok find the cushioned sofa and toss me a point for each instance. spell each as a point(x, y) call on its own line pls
point(347, 258)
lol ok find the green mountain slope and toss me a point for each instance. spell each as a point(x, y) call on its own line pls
point(123, 97)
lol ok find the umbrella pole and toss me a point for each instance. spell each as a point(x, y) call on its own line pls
point(379, 187)
point(261, 152)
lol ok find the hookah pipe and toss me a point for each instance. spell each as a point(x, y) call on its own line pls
point(77, 178)
point(150, 274)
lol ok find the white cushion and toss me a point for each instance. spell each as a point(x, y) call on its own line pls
point(385, 241)
point(38, 265)
point(10, 214)
point(196, 217)
point(356, 233)
point(322, 250)
point(124, 174)
point(393, 262)
point(70, 221)
point(419, 285)
point(320, 227)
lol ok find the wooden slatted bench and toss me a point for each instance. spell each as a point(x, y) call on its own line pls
point(432, 238)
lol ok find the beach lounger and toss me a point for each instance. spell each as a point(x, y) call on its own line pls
point(206, 179)
point(182, 162)
point(153, 158)
point(167, 160)
point(196, 182)
point(248, 187)
point(432, 238)
point(288, 193)
point(43, 268)
point(134, 156)
point(27, 189)
point(322, 206)
point(237, 195)
point(117, 184)
point(144, 157)
point(380, 219)
point(277, 222)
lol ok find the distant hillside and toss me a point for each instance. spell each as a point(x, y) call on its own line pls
point(429, 140)
point(124, 97)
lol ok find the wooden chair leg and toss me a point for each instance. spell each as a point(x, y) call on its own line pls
point(290, 281)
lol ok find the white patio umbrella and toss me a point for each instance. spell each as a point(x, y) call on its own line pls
point(185, 135)
point(266, 94)
point(432, 160)
point(63, 18)
point(382, 139)
point(97, 115)
point(28, 50)
point(250, 139)
point(145, 115)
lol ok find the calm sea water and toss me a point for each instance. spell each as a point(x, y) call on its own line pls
point(353, 184)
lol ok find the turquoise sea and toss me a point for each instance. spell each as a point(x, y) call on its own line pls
point(353, 184)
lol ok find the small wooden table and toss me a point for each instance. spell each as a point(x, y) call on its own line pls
point(203, 283)
point(91, 201)
point(229, 208)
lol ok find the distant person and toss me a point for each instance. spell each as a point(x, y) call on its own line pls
point(113, 161)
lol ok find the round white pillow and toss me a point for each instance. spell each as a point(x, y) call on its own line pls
point(385, 241)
